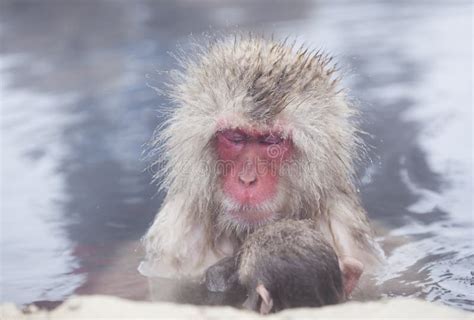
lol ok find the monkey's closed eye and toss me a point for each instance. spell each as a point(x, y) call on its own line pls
point(271, 139)
point(234, 136)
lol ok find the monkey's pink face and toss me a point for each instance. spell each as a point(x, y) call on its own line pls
point(250, 163)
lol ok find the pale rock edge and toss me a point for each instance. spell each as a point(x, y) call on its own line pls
point(107, 307)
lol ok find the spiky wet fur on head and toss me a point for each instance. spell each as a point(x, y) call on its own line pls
point(244, 81)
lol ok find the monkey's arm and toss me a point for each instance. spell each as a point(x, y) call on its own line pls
point(174, 246)
point(352, 234)
point(177, 246)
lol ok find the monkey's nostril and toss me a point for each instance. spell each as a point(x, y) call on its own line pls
point(247, 179)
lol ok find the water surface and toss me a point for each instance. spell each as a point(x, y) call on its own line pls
point(78, 105)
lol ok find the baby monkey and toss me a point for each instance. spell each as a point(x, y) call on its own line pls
point(286, 264)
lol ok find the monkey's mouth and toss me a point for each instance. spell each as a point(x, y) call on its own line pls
point(246, 216)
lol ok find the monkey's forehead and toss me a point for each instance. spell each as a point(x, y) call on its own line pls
point(278, 126)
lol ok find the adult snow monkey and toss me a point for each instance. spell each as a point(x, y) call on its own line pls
point(259, 131)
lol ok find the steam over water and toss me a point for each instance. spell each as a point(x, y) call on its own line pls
point(77, 105)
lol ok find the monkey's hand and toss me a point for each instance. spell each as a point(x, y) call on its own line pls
point(222, 276)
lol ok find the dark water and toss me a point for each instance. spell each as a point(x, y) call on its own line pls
point(77, 106)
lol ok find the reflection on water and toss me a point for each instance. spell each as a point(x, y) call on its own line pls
point(36, 253)
point(76, 111)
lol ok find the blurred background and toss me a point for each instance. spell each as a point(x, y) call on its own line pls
point(78, 103)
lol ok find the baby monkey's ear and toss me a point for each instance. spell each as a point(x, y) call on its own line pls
point(351, 271)
point(260, 296)
point(267, 301)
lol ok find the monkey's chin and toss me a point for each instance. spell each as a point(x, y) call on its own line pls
point(253, 218)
